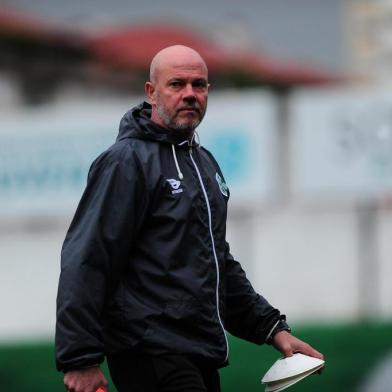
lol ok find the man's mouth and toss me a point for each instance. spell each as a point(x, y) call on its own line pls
point(189, 109)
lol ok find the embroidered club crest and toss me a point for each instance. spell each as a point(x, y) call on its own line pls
point(222, 185)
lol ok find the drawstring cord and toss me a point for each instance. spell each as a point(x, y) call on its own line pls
point(180, 175)
point(195, 136)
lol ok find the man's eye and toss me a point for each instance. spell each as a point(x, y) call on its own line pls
point(175, 84)
point(200, 85)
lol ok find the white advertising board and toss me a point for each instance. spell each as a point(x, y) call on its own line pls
point(45, 154)
point(341, 143)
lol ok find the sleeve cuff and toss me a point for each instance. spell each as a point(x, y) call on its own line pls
point(279, 326)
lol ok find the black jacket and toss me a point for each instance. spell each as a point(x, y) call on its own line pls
point(145, 264)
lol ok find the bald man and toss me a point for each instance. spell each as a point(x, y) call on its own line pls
point(147, 278)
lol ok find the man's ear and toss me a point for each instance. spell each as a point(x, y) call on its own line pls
point(149, 88)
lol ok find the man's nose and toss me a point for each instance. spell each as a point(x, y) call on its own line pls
point(189, 92)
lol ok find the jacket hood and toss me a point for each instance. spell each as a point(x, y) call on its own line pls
point(136, 123)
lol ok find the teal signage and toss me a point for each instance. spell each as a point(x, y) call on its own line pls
point(230, 148)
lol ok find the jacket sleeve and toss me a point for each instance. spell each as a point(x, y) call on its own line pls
point(95, 250)
point(248, 315)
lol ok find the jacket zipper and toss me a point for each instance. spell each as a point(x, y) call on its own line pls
point(213, 249)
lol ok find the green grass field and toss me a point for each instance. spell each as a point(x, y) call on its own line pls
point(351, 352)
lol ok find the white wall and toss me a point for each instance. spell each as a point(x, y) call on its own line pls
point(29, 270)
point(305, 262)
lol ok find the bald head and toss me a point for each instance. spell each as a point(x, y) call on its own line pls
point(175, 56)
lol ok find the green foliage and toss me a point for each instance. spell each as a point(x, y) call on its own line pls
point(351, 352)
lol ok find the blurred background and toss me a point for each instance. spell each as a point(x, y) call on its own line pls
point(300, 120)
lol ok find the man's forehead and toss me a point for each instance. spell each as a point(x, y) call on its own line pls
point(183, 66)
point(186, 69)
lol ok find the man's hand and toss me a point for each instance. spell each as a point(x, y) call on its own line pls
point(85, 380)
point(288, 344)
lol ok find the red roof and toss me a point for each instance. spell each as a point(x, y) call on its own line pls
point(135, 47)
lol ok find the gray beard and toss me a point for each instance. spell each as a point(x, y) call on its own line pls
point(174, 125)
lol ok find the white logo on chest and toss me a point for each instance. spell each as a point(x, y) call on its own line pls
point(175, 185)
